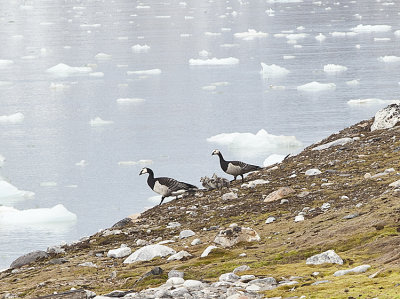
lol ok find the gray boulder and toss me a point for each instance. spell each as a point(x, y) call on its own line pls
point(28, 258)
point(386, 118)
point(149, 252)
point(358, 269)
point(327, 257)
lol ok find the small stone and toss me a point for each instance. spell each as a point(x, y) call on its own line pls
point(90, 294)
point(243, 254)
point(88, 264)
point(315, 273)
point(325, 206)
point(180, 292)
point(175, 273)
point(175, 281)
point(195, 242)
point(149, 252)
point(319, 282)
point(141, 242)
point(303, 194)
point(253, 288)
point(55, 250)
point(359, 269)
point(283, 201)
point(359, 205)
point(179, 256)
point(108, 232)
point(270, 220)
point(229, 196)
point(313, 171)
point(119, 252)
point(279, 194)
point(327, 257)
point(247, 278)
point(58, 261)
point(241, 268)
point(299, 218)
point(173, 224)
point(395, 184)
point(367, 175)
point(186, 234)
point(344, 197)
point(193, 285)
point(208, 250)
point(351, 216)
point(229, 277)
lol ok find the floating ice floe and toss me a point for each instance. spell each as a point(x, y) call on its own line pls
point(204, 53)
point(296, 36)
point(2, 159)
point(389, 59)
point(371, 28)
point(96, 75)
point(381, 39)
point(214, 61)
point(100, 122)
point(284, 1)
point(334, 68)
point(250, 34)
point(397, 33)
point(64, 70)
point(320, 37)
point(140, 162)
point(145, 72)
point(58, 86)
point(212, 33)
point(56, 214)
point(5, 83)
point(316, 87)
point(5, 63)
point(273, 159)
point(354, 82)
point(261, 143)
point(90, 25)
point(286, 57)
point(9, 192)
point(342, 34)
point(140, 48)
point(103, 56)
point(48, 184)
point(371, 101)
point(273, 71)
point(209, 87)
point(130, 100)
point(13, 118)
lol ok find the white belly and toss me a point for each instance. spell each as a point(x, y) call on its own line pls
point(233, 170)
point(161, 189)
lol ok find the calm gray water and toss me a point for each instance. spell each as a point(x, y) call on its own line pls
point(180, 110)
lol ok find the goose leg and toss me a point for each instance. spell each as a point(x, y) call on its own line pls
point(242, 178)
point(162, 199)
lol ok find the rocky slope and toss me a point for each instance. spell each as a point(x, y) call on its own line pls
point(341, 194)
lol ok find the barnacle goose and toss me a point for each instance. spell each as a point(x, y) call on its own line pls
point(235, 168)
point(166, 186)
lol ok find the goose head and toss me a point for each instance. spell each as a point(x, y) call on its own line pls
point(144, 170)
point(215, 152)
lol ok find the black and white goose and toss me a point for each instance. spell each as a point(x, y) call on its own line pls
point(235, 168)
point(166, 186)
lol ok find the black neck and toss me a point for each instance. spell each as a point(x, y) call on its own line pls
point(150, 179)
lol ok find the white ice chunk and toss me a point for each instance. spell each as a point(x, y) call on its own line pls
point(354, 82)
point(90, 25)
point(214, 61)
point(100, 122)
point(103, 56)
point(204, 53)
point(64, 70)
point(5, 63)
point(389, 59)
point(209, 87)
point(316, 87)
point(145, 72)
point(13, 118)
point(334, 68)
point(10, 192)
point(371, 28)
point(140, 162)
point(2, 159)
point(48, 184)
point(272, 159)
point(212, 33)
point(284, 1)
point(261, 143)
point(397, 33)
point(320, 37)
point(130, 100)
point(286, 57)
point(140, 48)
point(371, 101)
point(58, 86)
point(56, 214)
point(296, 36)
point(342, 34)
point(250, 34)
point(273, 71)
point(96, 74)
point(81, 163)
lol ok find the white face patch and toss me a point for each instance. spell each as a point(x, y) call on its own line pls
point(144, 170)
point(215, 152)
point(233, 170)
point(161, 189)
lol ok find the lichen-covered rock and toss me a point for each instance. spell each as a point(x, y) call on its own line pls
point(123, 251)
point(235, 235)
point(278, 194)
point(313, 171)
point(207, 251)
point(229, 277)
point(180, 255)
point(149, 252)
point(340, 141)
point(327, 257)
point(386, 118)
point(186, 234)
point(229, 196)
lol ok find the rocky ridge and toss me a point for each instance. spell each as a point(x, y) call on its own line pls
point(321, 224)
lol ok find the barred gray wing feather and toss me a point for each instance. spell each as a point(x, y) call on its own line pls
point(175, 185)
point(245, 167)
